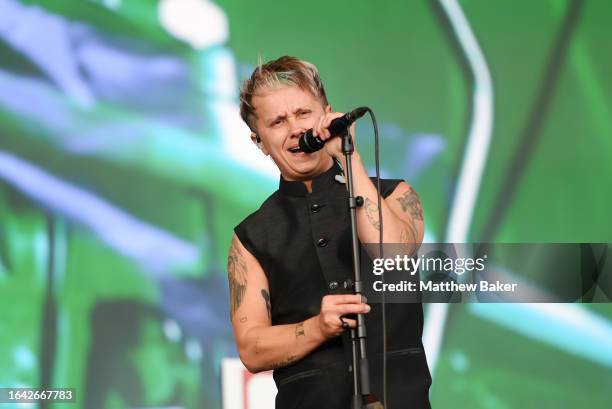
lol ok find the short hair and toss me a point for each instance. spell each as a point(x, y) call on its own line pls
point(284, 71)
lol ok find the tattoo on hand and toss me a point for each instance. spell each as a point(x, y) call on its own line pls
point(266, 296)
point(299, 330)
point(410, 202)
point(237, 276)
point(371, 210)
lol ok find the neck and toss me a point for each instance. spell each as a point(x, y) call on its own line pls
point(308, 184)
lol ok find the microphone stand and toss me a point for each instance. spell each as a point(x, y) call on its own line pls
point(362, 397)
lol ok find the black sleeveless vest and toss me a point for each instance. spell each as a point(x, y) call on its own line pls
point(302, 241)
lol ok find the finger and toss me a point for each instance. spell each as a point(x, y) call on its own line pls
point(349, 323)
point(328, 120)
point(323, 132)
point(325, 125)
point(344, 309)
point(318, 128)
point(346, 299)
point(344, 324)
point(330, 117)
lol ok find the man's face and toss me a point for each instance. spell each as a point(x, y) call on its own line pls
point(282, 115)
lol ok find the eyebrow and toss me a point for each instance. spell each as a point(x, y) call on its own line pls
point(284, 116)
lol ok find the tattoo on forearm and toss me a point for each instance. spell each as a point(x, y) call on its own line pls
point(410, 202)
point(299, 330)
point(237, 276)
point(291, 359)
point(266, 296)
point(371, 210)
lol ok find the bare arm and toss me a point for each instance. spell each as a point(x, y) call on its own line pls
point(402, 211)
point(261, 345)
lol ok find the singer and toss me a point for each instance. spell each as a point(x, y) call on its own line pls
point(290, 264)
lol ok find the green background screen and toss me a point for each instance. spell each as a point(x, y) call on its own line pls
point(124, 167)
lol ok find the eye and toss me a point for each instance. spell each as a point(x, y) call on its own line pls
point(304, 114)
point(276, 123)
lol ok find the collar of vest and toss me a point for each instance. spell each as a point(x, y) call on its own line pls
point(324, 181)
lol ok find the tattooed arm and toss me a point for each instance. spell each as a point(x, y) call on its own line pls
point(261, 345)
point(402, 211)
point(404, 202)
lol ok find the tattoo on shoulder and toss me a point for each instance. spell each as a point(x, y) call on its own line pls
point(299, 330)
point(371, 210)
point(237, 276)
point(410, 202)
point(266, 296)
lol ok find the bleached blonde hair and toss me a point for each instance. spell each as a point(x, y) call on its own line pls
point(284, 71)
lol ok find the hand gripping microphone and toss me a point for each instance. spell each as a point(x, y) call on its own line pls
point(310, 143)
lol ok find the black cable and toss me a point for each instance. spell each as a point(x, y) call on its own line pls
point(380, 249)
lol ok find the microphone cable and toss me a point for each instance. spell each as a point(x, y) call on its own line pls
point(380, 249)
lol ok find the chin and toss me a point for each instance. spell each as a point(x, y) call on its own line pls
point(305, 170)
point(301, 175)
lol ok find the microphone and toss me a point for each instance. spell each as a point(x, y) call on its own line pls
point(310, 143)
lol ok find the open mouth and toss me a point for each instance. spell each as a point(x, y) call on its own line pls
point(295, 149)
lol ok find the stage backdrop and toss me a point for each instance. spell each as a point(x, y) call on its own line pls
point(124, 166)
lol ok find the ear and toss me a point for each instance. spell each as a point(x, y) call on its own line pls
point(328, 109)
point(257, 141)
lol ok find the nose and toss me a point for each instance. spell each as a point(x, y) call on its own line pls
point(295, 128)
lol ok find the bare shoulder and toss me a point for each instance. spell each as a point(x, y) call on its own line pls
point(237, 271)
point(405, 199)
point(248, 287)
point(405, 203)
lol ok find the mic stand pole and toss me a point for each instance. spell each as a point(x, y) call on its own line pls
point(362, 397)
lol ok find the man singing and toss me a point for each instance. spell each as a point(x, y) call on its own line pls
point(290, 262)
